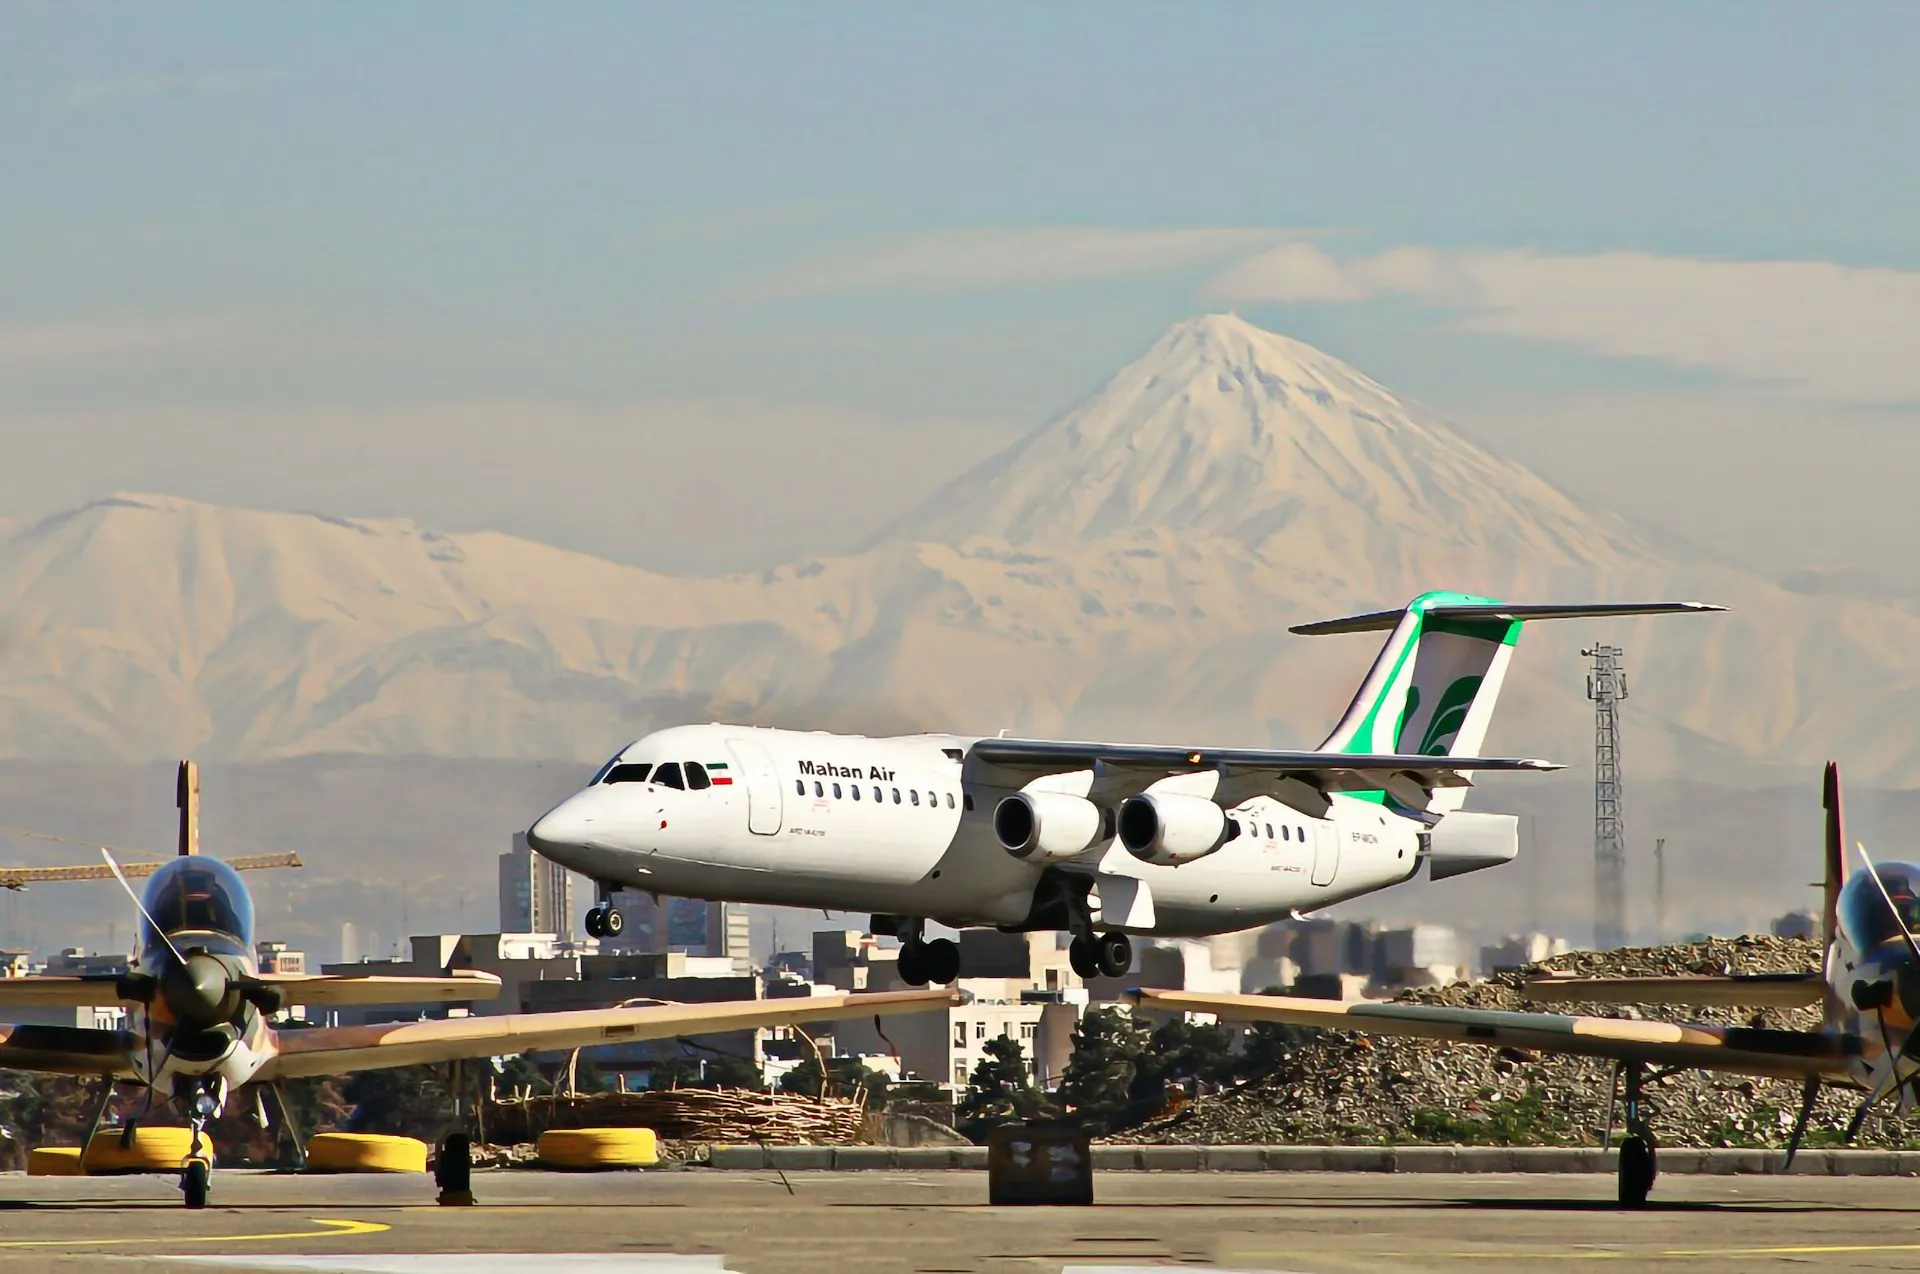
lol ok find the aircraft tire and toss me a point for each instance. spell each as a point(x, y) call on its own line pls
point(196, 1179)
point(912, 966)
point(1082, 958)
point(594, 928)
point(365, 1152)
point(1636, 1172)
point(1114, 954)
point(601, 1148)
point(940, 960)
point(612, 922)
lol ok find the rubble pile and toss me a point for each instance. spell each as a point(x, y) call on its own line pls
point(1338, 1088)
point(697, 1115)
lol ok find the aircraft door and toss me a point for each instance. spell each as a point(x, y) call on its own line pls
point(762, 783)
point(1326, 851)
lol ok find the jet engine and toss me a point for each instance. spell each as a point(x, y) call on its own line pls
point(1048, 827)
point(1166, 829)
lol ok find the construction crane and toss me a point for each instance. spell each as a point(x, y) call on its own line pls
point(188, 800)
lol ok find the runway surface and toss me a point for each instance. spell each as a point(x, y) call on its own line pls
point(852, 1223)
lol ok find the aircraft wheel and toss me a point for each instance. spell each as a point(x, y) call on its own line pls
point(913, 964)
point(1114, 954)
point(940, 960)
point(1636, 1172)
point(595, 929)
point(1084, 960)
point(611, 922)
point(195, 1180)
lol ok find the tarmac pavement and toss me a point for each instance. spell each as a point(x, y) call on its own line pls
point(825, 1222)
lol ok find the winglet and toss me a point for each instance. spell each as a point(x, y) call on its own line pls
point(187, 798)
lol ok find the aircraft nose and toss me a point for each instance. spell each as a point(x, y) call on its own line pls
point(567, 824)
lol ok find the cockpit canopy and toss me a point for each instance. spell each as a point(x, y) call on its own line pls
point(203, 898)
point(1863, 914)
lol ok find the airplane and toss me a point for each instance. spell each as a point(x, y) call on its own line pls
point(1868, 988)
point(197, 1016)
point(1101, 840)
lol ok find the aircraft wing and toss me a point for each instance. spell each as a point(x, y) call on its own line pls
point(103, 990)
point(65, 1050)
point(336, 1050)
point(454, 987)
point(1738, 990)
point(1327, 771)
point(1742, 1050)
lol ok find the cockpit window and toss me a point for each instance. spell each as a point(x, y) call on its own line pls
point(697, 776)
point(668, 775)
point(635, 773)
point(199, 896)
point(1863, 913)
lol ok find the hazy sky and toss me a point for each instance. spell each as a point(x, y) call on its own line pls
point(704, 285)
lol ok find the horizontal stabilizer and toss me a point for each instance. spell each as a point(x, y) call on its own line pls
point(1385, 620)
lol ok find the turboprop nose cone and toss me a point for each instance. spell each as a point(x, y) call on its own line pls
point(197, 990)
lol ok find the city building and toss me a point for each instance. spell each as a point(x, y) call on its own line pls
point(1519, 950)
point(536, 896)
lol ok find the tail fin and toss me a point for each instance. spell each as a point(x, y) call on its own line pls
point(1432, 688)
point(1836, 856)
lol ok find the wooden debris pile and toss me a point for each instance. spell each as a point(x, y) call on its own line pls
point(708, 1115)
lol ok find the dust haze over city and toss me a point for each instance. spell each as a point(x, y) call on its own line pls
point(403, 415)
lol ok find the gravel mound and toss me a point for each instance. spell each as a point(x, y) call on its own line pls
point(1338, 1088)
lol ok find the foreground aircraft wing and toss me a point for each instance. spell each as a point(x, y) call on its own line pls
point(103, 990)
point(1327, 771)
point(1739, 1049)
point(65, 1050)
point(1738, 990)
point(335, 1050)
point(453, 987)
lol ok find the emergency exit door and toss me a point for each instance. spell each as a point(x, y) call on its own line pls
point(1326, 852)
point(762, 784)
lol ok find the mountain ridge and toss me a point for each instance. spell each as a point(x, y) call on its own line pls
point(1127, 570)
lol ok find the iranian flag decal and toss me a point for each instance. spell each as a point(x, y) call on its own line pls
point(718, 772)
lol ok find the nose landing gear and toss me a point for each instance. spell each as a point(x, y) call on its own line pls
point(196, 1176)
point(605, 920)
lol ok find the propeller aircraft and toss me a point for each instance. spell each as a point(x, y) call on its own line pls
point(198, 1010)
point(1868, 989)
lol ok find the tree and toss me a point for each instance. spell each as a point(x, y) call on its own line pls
point(1000, 1091)
point(718, 1070)
point(1108, 1046)
point(844, 1077)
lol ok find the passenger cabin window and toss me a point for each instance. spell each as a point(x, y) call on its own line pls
point(799, 787)
point(628, 773)
point(856, 790)
point(915, 794)
point(836, 791)
point(1283, 832)
point(896, 796)
point(876, 796)
point(697, 776)
point(818, 791)
point(668, 775)
point(949, 800)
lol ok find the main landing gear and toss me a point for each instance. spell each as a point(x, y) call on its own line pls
point(605, 920)
point(922, 962)
point(1100, 955)
point(1638, 1155)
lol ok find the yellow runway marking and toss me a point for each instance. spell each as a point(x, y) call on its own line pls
point(335, 1229)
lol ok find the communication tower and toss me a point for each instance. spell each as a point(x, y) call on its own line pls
point(1607, 687)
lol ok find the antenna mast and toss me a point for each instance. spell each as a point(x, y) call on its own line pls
point(1607, 686)
point(1660, 889)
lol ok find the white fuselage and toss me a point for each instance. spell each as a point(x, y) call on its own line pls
point(898, 826)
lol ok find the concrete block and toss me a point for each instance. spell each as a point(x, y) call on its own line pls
point(924, 1158)
point(1116, 1158)
point(1729, 1162)
point(800, 1158)
point(1554, 1159)
point(1906, 1163)
point(1484, 1159)
point(971, 1158)
point(1679, 1160)
point(1170, 1158)
point(1358, 1158)
point(1233, 1158)
point(862, 1158)
point(1426, 1159)
point(1295, 1158)
point(1862, 1163)
point(749, 1157)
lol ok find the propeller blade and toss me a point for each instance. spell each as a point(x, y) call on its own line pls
point(139, 906)
point(1808, 1094)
